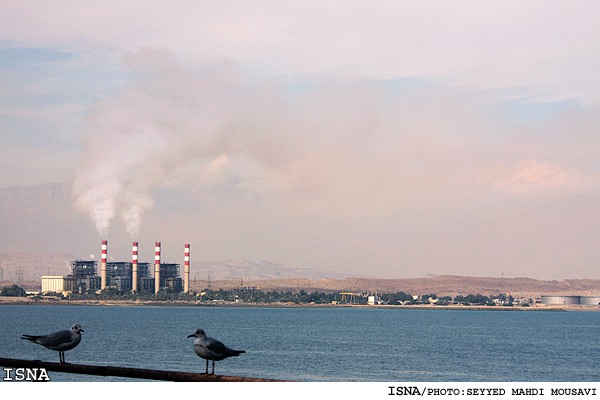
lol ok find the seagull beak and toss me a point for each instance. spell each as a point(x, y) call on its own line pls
point(82, 330)
point(192, 335)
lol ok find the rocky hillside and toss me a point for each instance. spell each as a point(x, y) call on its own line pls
point(22, 267)
point(251, 271)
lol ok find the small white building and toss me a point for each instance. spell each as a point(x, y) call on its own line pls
point(53, 284)
point(373, 300)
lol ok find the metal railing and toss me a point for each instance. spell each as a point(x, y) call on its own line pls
point(137, 373)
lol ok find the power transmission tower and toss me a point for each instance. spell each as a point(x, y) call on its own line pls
point(19, 273)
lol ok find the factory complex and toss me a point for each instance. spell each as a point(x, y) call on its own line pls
point(144, 277)
point(124, 276)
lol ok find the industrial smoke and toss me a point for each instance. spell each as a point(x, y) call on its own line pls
point(167, 116)
point(170, 118)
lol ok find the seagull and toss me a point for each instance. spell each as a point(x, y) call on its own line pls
point(211, 349)
point(60, 341)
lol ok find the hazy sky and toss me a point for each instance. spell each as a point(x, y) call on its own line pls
point(390, 138)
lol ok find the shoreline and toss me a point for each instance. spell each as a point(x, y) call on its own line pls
point(131, 303)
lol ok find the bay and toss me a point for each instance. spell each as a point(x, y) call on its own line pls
point(321, 344)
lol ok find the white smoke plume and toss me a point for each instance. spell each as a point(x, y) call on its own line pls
point(165, 117)
point(338, 142)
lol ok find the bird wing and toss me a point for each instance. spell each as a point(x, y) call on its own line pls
point(55, 339)
point(215, 346)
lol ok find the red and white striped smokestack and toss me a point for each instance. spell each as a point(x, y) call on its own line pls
point(134, 268)
point(103, 267)
point(186, 273)
point(156, 267)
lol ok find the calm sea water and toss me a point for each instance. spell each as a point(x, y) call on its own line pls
point(324, 344)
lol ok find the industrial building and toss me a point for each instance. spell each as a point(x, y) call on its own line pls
point(82, 279)
point(119, 275)
point(53, 284)
point(122, 275)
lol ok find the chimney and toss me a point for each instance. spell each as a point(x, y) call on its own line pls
point(103, 267)
point(186, 273)
point(156, 267)
point(134, 268)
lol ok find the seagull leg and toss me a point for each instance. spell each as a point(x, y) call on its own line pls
point(213, 369)
point(206, 366)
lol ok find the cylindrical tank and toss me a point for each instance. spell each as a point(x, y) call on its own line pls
point(561, 300)
point(590, 300)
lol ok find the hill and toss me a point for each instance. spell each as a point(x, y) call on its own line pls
point(441, 285)
point(252, 271)
point(22, 267)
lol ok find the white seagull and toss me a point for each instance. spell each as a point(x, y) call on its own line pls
point(211, 349)
point(60, 341)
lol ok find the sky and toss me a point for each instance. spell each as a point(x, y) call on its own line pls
point(387, 138)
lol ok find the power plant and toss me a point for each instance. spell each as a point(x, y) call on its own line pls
point(122, 275)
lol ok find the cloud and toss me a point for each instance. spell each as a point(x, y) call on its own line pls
point(544, 175)
point(539, 51)
point(532, 176)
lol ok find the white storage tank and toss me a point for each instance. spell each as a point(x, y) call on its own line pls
point(561, 300)
point(590, 300)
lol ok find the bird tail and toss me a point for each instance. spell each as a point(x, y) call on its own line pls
point(238, 352)
point(30, 337)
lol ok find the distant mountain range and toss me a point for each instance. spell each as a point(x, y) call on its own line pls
point(22, 267)
point(27, 269)
point(249, 270)
point(41, 219)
